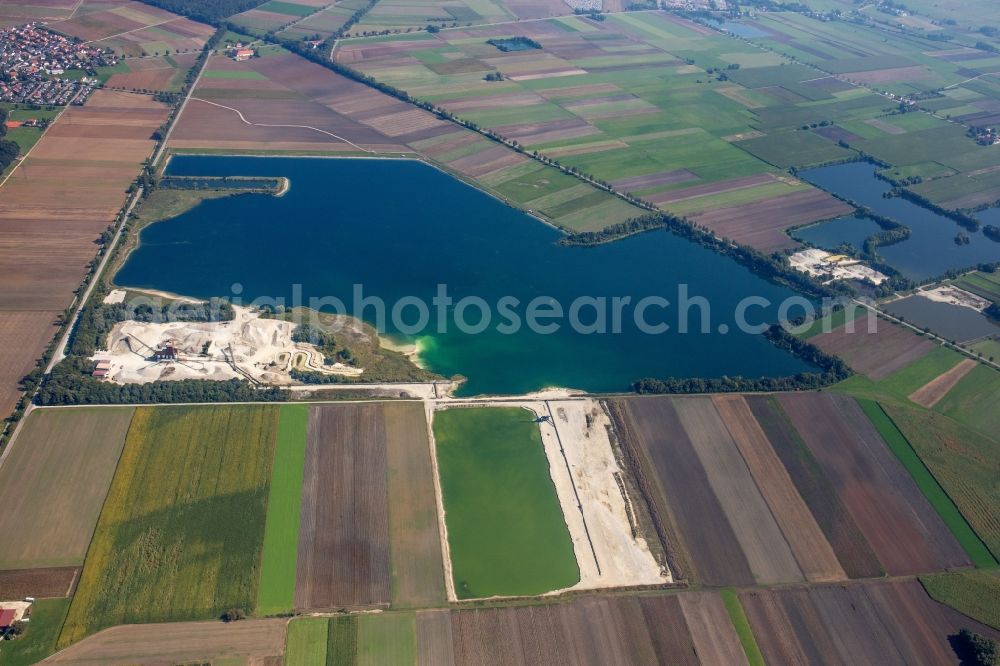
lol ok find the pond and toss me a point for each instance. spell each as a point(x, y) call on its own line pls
point(930, 251)
point(404, 230)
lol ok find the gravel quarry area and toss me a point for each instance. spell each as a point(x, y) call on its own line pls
point(248, 347)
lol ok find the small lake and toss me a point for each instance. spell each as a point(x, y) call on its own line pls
point(400, 228)
point(743, 30)
point(954, 322)
point(930, 250)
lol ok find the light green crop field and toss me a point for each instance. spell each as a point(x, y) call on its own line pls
point(306, 642)
point(974, 400)
point(276, 593)
point(962, 461)
point(506, 531)
point(181, 529)
point(906, 380)
point(387, 638)
point(973, 593)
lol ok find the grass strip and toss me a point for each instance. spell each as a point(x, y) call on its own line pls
point(742, 625)
point(276, 593)
point(974, 547)
point(973, 593)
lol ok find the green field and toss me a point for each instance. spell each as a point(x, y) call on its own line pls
point(180, 533)
point(387, 638)
point(974, 547)
point(905, 381)
point(743, 629)
point(506, 531)
point(289, 8)
point(276, 593)
point(974, 593)
point(342, 641)
point(974, 400)
point(306, 643)
point(39, 638)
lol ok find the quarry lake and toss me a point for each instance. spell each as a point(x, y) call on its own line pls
point(401, 228)
point(930, 251)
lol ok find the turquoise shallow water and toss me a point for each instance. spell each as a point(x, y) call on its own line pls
point(400, 228)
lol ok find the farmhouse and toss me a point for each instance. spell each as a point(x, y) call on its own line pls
point(239, 55)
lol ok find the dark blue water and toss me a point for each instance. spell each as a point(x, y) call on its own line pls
point(931, 249)
point(830, 235)
point(400, 228)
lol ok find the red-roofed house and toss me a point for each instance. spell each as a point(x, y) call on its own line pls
point(7, 616)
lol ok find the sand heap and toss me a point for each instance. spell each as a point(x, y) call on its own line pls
point(248, 347)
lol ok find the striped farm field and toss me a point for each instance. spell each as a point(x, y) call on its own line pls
point(823, 493)
point(181, 529)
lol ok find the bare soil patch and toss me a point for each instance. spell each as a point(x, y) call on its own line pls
point(38, 583)
point(931, 393)
point(250, 641)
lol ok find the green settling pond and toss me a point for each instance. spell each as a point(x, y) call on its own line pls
point(506, 530)
point(400, 230)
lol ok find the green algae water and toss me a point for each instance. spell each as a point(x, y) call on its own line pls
point(400, 230)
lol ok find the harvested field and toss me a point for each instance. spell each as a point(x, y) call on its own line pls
point(654, 180)
point(250, 641)
point(762, 224)
point(875, 623)
point(54, 481)
point(417, 571)
point(53, 207)
point(906, 534)
point(23, 338)
point(168, 525)
point(38, 583)
point(434, 638)
point(931, 393)
point(812, 551)
point(852, 549)
point(876, 354)
point(344, 531)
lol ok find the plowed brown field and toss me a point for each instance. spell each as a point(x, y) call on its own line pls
point(250, 641)
point(344, 530)
point(39, 583)
point(811, 549)
point(906, 534)
point(877, 354)
point(691, 628)
point(871, 623)
point(853, 550)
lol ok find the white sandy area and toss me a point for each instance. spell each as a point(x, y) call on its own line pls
point(582, 466)
point(826, 265)
point(115, 296)
point(248, 347)
point(955, 296)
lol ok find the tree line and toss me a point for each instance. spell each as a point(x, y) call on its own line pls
point(831, 371)
point(9, 150)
